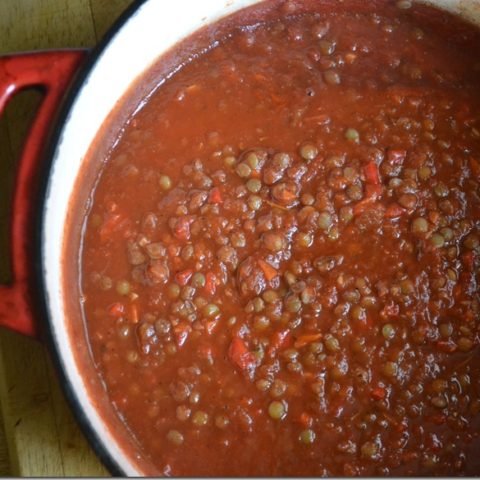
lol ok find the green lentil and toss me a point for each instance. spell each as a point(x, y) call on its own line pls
point(390, 369)
point(254, 202)
point(229, 161)
point(437, 240)
point(439, 402)
point(252, 160)
point(173, 291)
point(388, 331)
point(293, 304)
point(106, 283)
point(332, 77)
point(346, 214)
point(198, 280)
point(308, 151)
point(222, 421)
point(277, 410)
point(326, 47)
point(447, 233)
point(369, 450)
point(270, 296)
point(211, 310)
point(331, 344)
point(307, 436)
point(352, 135)
point(441, 190)
point(200, 418)
point(419, 226)
point(424, 173)
point(165, 182)
point(324, 221)
point(472, 242)
point(254, 185)
point(464, 344)
point(123, 287)
point(175, 437)
point(243, 170)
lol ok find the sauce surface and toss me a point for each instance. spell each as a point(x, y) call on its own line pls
point(280, 264)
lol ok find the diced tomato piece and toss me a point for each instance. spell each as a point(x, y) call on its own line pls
point(116, 309)
point(394, 210)
point(210, 283)
point(280, 339)
point(434, 217)
point(215, 196)
point(379, 393)
point(396, 156)
point(181, 331)
point(269, 271)
point(372, 175)
point(305, 419)
point(372, 193)
point(303, 340)
point(183, 277)
point(240, 355)
point(446, 346)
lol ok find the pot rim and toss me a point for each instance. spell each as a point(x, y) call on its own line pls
point(100, 448)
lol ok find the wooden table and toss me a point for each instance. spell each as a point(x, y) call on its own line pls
point(38, 435)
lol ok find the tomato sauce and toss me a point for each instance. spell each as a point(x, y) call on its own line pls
point(280, 263)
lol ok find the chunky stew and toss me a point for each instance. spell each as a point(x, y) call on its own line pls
point(280, 263)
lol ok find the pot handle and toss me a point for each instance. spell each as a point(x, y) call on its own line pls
point(52, 72)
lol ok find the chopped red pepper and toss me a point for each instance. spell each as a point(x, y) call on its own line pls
point(215, 196)
point(396, 156)
point(181, 331)
point(305, 419)
point(379, 393)
point(372, 193)
point(240, 355)
point(446, 346)
point(116, 309)
point(183, 277)
point(303, 340)
point(280, 339)
point(210, 283)
point(372, 175)
point(269, 271)
point(394, 210)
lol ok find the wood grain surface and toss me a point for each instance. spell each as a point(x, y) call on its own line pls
point(38, 434)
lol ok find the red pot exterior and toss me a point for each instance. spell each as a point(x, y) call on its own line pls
point(52, 72)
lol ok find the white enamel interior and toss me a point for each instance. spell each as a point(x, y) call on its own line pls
point(156, 26)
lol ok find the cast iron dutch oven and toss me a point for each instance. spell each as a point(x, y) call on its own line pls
point(81, 90)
